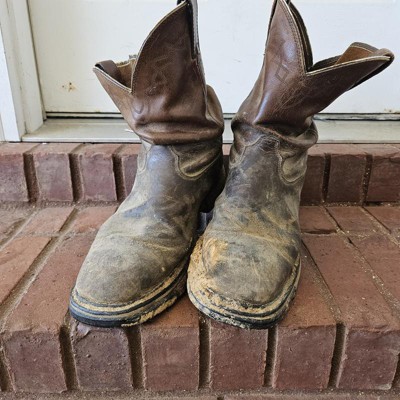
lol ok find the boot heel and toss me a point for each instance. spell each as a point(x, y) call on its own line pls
point(208, 203)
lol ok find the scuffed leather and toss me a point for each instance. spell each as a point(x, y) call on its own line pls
point(153, 231)
point(162, 93)
point(251, 245)
point(251, 249)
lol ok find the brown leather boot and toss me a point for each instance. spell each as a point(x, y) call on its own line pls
point(137, 265)
point(246, 268)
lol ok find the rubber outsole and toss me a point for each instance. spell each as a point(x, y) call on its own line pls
point(132, 313)
point(240, 320)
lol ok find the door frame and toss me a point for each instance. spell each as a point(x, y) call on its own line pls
point(21, 109)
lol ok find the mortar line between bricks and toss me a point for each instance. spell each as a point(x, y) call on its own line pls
point(76, 178)
point(5, 379)
point(326, 176)
point(134, 337)
point(366, 178)
point(338, 349)
point(323, 286)
point(30, 176)
point(364, 264)
point(330, 218)
point(270, 357)
point(204, 370)
point(381, 227)
point(18, 229)
point(67, 355)
point(118, 176)
point(338, 354)
point(34, 270)
point(377, 281)
point(396, 379)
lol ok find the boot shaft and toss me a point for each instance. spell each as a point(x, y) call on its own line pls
point(290, 89)
point(162, 92)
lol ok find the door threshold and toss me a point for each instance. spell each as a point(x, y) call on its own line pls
point(110, 130)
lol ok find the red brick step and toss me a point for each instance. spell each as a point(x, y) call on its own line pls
point(342, 330)
point(64, 172)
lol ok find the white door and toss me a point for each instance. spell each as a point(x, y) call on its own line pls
point(70, 36)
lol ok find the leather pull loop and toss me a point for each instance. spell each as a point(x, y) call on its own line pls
point(193, 7)
point(110, 68)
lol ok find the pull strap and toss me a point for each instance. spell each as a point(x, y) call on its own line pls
point(193, 8)
point(110, 68)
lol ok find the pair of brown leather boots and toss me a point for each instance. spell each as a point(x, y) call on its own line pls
point(245, 268)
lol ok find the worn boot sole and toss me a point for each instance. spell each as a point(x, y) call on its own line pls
point(133, 313)
point(230, 311)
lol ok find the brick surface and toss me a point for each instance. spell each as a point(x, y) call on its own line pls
point(388, 217)
point(305, 339)
point(15, 260)
point(96, 169)
point(101, 356)
point(237, 357)
point(90, 219)
point(31, 335)
point(383, 256)
point(372, 334)
point(13, 185)
point(170, 349)
point(53, 171)
point(48, 221)
point(315, 220)
point(352, 219)
point(384, 182)
point(128, 156)
point(34, 339)
point(346, 174)
point(314, 181)
point(11, 219)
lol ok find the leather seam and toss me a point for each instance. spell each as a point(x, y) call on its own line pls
point(195, 176)
point(150, 38)
point(282, 174)
point(299, 45)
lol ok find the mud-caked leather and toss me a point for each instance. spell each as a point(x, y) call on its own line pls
point(245, 269)
point(137, 265)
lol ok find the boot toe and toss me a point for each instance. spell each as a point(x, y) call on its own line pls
point(247, 283)
point(122, 279)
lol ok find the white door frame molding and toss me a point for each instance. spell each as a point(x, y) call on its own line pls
point(21, 108)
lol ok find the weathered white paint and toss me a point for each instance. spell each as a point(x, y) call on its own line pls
point(22, 73)
point(9, 129)
point(71, 35)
